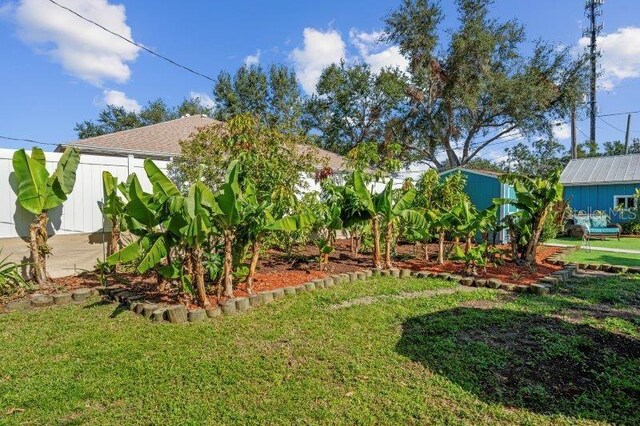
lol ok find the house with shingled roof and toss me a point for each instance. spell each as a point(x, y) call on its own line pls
point(161, 141)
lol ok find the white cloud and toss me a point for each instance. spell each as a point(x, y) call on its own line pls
point(253, 59)
point(375, 53)
point(620, 55)
point(82, 49)
point(562, 131)
point(204, 99)
point(118, 98)
point(319, 50)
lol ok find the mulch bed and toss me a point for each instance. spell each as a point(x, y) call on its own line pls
point(276, 270)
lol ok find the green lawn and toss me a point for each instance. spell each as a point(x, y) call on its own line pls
point(626, 243)
point(474, 357)
point(595, 256)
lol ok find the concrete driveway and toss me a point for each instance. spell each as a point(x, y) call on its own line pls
point(72, 254)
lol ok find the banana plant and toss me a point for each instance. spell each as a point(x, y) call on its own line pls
point(38, 192)
point(258, 218)
point(113, 207)
point(534, 200)
point(361, 205)
point(228, 211)
point(392, 212)
point(147, 216)
point(467, 222)
point(191, 225)
point(472, 257)
point(441, 222)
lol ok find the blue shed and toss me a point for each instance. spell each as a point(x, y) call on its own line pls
point(603, 183)
point(482, 187)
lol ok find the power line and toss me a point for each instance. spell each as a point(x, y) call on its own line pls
point(128, 40)
point(9, 138)
point(610, 125)
point(619, 113)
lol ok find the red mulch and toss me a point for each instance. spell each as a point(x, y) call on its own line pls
point(277, 271)
point(508, 272)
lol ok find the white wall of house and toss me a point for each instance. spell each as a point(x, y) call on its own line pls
point(81, 212)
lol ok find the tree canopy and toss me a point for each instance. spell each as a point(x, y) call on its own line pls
point(116, 118)
point(478, 87)
point(273, 97)
point(354, 106)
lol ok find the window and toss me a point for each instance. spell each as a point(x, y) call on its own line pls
point(624, 202)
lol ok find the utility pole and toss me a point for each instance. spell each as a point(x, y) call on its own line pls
point(626, 135)
point(574, 138)
point(593, 10)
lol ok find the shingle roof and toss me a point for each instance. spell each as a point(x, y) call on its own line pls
point(162, 140)
point(602, 170)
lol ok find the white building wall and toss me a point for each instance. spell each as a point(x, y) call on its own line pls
point(81, 212)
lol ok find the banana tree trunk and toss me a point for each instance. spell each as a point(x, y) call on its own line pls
point(38, 249)
point(532, 245)
point(255, 256)
point(331, 240)
point(375, 229)
point(355, 244)
point(441, 247)
point(228, 263)
point(114, 237)
point(203, 300)
point(467, 244)
point(387, 249)
point(425, 248)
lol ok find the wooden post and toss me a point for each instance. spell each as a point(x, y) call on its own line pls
point(626, 135)
point(574, 140)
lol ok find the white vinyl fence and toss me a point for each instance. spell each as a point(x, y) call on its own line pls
point(81, 212)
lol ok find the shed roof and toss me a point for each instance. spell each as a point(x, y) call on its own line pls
point(488, 173)
point(162, 140)
point(602, 170)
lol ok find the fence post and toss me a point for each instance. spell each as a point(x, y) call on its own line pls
point(130, 165)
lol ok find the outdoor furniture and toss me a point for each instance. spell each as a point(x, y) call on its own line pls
point(594, 226)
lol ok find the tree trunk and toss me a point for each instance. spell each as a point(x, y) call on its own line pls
point(355, 244)
point(532, 245)
point(325, 256)
point(352, 244)
point(39, 249)
point(387, 249)
point(467, 244)
point(188, 262)
point(255, 256)
point(441, 247)
point(375, 229)
point(203, 300)
point(228, 263)
point(425, 248)
point(114, 237)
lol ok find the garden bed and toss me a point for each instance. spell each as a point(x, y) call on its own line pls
point(276, 270)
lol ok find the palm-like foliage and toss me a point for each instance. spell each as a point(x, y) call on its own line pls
point(535, 198)
point(40, 191)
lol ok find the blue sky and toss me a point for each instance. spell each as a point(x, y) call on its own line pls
point(58, 70)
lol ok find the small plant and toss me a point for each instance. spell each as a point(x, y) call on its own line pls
point(104, 269)
point(11, 280)
point(472, 257)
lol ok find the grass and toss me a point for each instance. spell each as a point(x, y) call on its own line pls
point(572, 357)
point(594, 256)
point(626, 243)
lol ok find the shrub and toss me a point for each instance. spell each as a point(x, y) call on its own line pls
point(550, 229)
point(630, 228)
point(11, 280)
